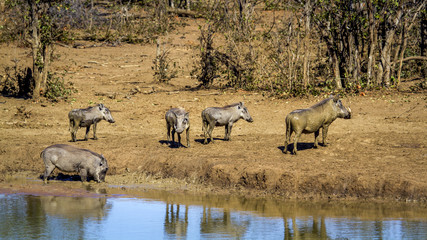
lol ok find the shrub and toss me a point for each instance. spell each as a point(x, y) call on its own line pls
point(56, 89)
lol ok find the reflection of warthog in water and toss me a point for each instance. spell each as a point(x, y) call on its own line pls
point(215, 221)
point(176, 222)
point(71, 159)
point(86, 117)
point(223, 116)
point(310, 120)
point(179, 120)
point(74, 207)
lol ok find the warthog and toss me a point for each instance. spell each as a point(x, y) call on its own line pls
point(71, 159)
point(86, 117)
point(310, 120)
point(179, 120)
point(223, 116)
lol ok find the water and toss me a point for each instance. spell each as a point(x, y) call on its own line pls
point(164, 215)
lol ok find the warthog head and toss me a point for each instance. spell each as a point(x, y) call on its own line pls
point(244, 112)
point(106, 113)
point(182, 123)
point(342, 111)
point(101, 170)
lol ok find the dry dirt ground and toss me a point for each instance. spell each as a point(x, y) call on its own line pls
point(378, 154)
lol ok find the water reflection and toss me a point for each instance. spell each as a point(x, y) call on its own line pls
point(162, 215)
point(176, 223)
point(222, 223)
point(43, 216)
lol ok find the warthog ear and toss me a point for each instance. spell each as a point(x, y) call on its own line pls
point(240, 105)
point(101, 106)
point(187, 115)
point(102, 160)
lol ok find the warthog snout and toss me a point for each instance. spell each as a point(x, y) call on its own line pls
point(179, 129)
point(349, 113)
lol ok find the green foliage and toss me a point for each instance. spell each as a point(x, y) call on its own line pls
point(56, 89)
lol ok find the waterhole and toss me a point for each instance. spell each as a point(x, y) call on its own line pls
point(157, 214)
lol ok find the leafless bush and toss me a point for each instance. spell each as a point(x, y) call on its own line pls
point(206, 68)
point(164, 68)
point(17, 81)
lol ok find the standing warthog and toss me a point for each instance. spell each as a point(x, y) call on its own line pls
point(310, 120)
point(86, 117)
point(71, 159)
point(179, 120)
point(223, 116)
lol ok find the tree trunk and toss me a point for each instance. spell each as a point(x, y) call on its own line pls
point(47, 51)
point(402, 54)
point(2, 5)
point(350, 66)
point(332, 49)
point(386, 50)
point(308, 8)
point(336, 66)
point(373, 38)
point(423, 42)
point(35, 44)
point(406, 29)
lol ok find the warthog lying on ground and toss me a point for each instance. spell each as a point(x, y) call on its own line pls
point(71, 159)
point(223, 116)
point(86, 117)
point(310, 120)
point(179, 120)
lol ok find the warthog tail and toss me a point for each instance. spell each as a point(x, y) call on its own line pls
point(42, 153)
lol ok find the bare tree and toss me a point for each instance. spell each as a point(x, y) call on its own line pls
point(408, 23)
point(308, 9)
point(389, 29)
point(40, 47)
point(373, 39)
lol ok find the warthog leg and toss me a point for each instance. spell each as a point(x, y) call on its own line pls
point(188, 137)
point(297, 135)
point(173, 136)
point(288, 134)
point(179, 139)
point(316, 138)
point(73, 129)
point(94, 132)
point(168, 128)
point(47, 172)
point(83, 175)
point(87, 132)
point(324, 135)
point(210, 130)
point(205, 129)
point(228, 131)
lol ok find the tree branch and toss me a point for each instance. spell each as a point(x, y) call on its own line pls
point(411, 58)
